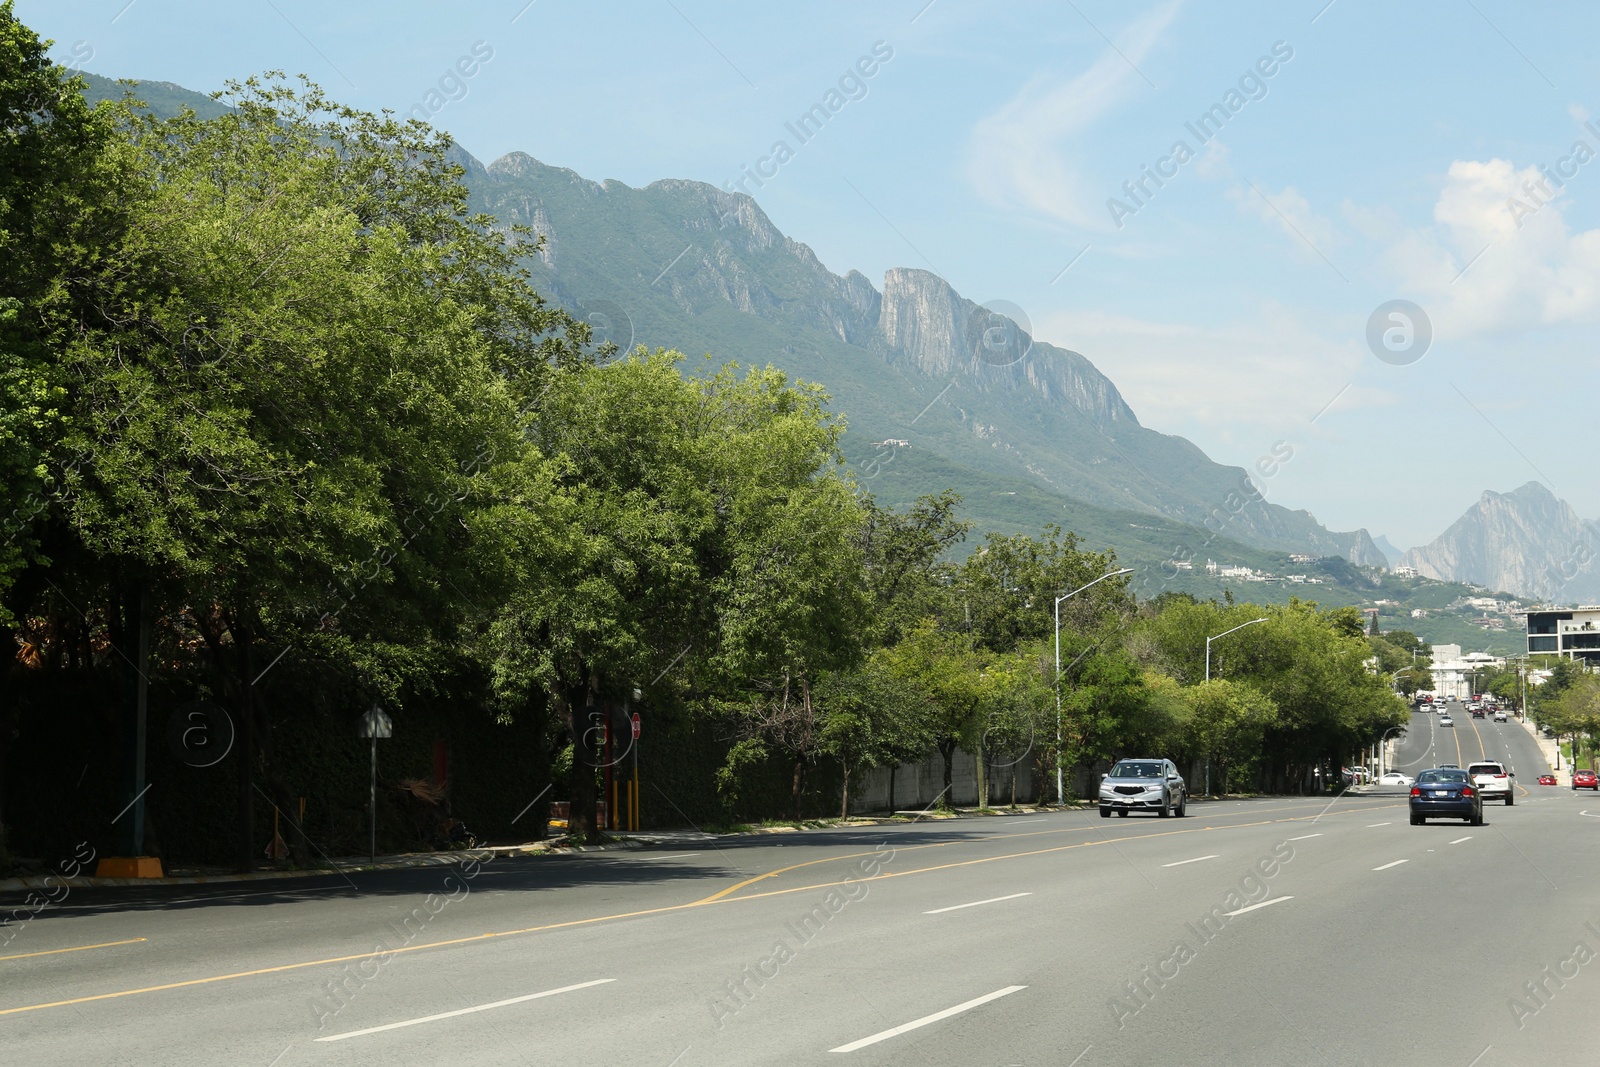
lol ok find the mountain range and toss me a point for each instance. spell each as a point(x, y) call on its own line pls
point(937, 391)
point(685, 265)
point(1526, 542)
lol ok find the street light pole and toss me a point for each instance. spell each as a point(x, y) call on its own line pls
point(1210, 639)
point(1224, 633)
point(1382, 749)
point(1061, 793)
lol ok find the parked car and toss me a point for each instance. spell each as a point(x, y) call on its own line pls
point(1493, 781)
point(1396, 778)
point(1143, 785)
point(1585, 780)
point(1445, 794)
point(1547, 779)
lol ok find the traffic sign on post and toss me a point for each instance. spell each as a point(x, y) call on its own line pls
point(636, 726)
point(375, 724)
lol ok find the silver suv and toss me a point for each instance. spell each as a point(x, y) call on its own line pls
point(1493, 781)
point(1143, 785)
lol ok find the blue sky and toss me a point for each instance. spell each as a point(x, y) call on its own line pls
point(1390, 154)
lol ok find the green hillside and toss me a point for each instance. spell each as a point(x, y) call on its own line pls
point(656, 268)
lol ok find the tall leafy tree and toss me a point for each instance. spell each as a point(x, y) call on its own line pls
point(310, 355)
point(64, 173)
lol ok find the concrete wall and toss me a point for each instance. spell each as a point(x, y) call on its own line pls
point(917, 785)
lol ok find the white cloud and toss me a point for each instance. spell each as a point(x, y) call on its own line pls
point(1500, 255)
point(1024, 155)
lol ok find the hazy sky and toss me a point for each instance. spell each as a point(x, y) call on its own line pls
point(1360, 152)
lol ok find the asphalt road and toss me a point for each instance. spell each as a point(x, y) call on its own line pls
point(1267, 931)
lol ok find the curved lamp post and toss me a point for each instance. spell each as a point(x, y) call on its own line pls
point(1383, 763)
point(1061, 795)
point(1210, 639)
point(1225, 633)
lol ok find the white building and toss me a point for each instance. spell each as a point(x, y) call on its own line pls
point(1453, 672)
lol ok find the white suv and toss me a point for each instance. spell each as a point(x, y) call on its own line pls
point(1143, 785)
point(1493, 781)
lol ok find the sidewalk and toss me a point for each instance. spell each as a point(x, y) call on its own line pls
point(1547, 747)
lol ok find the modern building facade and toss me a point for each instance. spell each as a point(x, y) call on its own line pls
point(1570, 632)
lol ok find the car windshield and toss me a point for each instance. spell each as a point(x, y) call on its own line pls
point(1136, 770)
point(1441, 776)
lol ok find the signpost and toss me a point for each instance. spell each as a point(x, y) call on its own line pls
point(633, 793)
point(375, 724)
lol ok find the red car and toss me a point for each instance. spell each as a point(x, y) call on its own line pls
point(1585, 780)
point(1547, 779)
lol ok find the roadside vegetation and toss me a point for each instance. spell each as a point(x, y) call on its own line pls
point(286, 430)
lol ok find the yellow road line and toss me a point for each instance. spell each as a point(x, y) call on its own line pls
point(80, 948)
point(716, 899)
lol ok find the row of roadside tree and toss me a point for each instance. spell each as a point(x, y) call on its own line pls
point(284, 429)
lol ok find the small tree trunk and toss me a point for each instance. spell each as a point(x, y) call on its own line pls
point(577, 708)
point(844, 793)
point(799, 785)
point(947, 749)
point(983, 778)
point(894, 769)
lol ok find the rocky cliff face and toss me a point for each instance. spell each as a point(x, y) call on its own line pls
point(1526, 542)
point(697, 267)
point(943, 334)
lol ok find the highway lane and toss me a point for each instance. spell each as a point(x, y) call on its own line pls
point(1251, 932)
point(1426, 744)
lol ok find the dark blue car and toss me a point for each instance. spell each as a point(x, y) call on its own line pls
point(1446, 793)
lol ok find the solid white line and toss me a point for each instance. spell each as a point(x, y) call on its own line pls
point(975, 903)
point(926, 1019)
point(1458, 840)
point(1263, 904)
point(1180, 863)
point(1371, 825)
point(465, 1011)
point(1304, 837)
point(1386, 866)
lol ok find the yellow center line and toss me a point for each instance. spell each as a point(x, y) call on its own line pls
point(80, 948)
point(718, 899)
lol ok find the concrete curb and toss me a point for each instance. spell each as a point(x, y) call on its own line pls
point(403, 861)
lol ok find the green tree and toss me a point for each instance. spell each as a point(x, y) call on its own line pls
point(946, 670)
point(308, 360)
point(869, 718)
point(64, 178)
point(1227, 726)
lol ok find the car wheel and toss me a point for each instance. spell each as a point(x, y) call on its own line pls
point(1510, 800)
point(1166, 807)
point(1122, 813)
point(1105, 813)
point(1416, 820)
point(1183, 806)
point(1476, 820)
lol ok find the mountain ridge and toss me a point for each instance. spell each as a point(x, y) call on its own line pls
point(1526, 541)
point(685, 265)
